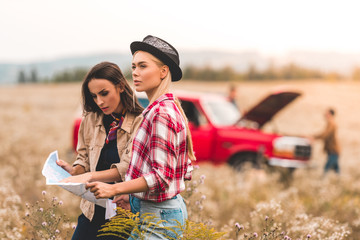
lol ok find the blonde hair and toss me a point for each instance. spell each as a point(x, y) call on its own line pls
point(161, 90)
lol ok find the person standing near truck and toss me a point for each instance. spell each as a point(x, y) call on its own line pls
point(232, 95)
point(331, 146)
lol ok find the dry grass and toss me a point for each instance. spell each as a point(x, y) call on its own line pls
point(37, 119)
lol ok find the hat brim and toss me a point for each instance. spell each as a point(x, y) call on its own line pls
point(176, 73)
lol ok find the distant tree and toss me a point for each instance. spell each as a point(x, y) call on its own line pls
point(45, 80)
point(21, 77)
point(227, 73)
point(190, 72)
point(252, 72)
point(333, 76)
point(70, 75)
point(79, 74)
point(289, 71)
point(271, 72)
point(208, 73)
point(33, 76)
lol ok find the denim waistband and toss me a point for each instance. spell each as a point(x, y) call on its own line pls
point(135, 202)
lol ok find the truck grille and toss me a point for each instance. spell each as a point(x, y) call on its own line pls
point(303, 152)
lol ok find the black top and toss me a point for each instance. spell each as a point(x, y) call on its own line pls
point(109, 153)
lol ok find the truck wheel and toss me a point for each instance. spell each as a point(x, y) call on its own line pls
point(241, 161)
point(286, 175)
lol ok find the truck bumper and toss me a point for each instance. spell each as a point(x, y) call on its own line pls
point(288, 163)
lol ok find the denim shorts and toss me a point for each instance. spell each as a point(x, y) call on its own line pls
point(172, 214)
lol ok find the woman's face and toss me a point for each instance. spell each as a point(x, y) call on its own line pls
point(146, 73)
point(106, 95)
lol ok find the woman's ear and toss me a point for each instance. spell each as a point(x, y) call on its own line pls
point(164, 71)
point(119, 89)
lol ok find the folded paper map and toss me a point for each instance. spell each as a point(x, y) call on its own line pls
point(54, 174)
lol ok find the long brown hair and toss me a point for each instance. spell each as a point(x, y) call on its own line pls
point(111, 72)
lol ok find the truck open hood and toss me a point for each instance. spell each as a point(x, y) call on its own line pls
point(266, 109)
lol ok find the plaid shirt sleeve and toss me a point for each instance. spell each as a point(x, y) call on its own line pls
point(163, 152)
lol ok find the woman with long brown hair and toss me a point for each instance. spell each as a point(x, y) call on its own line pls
point(110, 117)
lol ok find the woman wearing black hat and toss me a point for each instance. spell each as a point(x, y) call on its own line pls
point(162, 148)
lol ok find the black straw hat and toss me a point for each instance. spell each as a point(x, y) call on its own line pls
point(163, 51)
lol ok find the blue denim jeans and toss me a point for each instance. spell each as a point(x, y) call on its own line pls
point(332, 163)
point(170, 213)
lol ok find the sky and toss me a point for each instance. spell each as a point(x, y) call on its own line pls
point(36, 30)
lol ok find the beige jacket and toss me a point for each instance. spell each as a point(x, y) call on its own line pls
point(329, 137)
point(91, 139)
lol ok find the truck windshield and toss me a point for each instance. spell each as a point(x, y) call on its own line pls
point(222, 112)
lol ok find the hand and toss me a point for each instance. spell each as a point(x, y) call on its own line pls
point(66, 166)
point(82, 178)
point(101, 190)
point(123, 201)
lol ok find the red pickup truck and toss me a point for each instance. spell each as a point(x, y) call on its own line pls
point(221, 135)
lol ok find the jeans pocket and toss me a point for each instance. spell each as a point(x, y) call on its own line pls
point(173, 219)
point(134, 204)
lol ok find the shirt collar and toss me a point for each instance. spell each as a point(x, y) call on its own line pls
point(128, 121)
point(164, 97)
point(126, 125)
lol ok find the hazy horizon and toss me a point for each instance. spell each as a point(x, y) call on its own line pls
point(40, 30)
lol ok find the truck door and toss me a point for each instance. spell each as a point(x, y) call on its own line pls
point(201, 131)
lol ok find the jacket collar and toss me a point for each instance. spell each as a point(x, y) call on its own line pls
point(164, 97)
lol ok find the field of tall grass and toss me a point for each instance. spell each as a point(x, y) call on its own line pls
point(37, 119)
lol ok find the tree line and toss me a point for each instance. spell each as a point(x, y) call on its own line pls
point(286, 72)
point(31, 78)
point(207, 73)
point(67, 75)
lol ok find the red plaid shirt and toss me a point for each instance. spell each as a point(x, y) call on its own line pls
point(159, 151)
